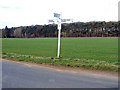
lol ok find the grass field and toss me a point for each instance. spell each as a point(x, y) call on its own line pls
point(85, 48)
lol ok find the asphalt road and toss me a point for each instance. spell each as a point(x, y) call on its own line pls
point(18, 75)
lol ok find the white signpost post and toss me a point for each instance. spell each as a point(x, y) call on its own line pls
point(59, 21)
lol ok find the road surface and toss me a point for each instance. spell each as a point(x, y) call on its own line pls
point(19, 75)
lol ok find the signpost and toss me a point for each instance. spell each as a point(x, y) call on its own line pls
point(59, 21)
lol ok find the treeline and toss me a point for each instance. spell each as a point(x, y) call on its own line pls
point(78, 29)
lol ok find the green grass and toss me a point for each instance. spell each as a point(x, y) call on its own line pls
point(84, 48)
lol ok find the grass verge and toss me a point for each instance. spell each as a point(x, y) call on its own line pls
point(71, 62)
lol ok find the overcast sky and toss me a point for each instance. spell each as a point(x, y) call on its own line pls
point(31, 12)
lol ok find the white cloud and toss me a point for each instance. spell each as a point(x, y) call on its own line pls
point(28, 12)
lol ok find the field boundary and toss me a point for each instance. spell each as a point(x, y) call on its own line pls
point(67, 62)
point(69, 69)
